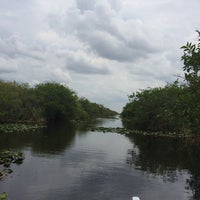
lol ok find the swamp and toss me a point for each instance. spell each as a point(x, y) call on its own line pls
point(70, 161)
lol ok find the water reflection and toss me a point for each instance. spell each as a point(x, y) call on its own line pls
point(64, 161)
point(51, 140)
point(54, 139)
point(167, 158)
point(109, 122)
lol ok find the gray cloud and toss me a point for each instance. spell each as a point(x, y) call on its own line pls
point(104, 33)
point(14, 47)
point(7, 67)
point(85, 5)
point(82, 66)
point(4, 70)
point(110, 47)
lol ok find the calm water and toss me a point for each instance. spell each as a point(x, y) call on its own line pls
point(69, 163)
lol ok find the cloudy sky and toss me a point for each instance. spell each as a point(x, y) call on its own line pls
point(102, 49)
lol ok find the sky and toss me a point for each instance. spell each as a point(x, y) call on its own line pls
point(103, 49)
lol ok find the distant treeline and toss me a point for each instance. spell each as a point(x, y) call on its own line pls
point(175, 107)
point(48, 101)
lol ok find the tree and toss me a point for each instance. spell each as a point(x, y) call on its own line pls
point(17, 102)
point(157, 109)
point(191, 61)
point(172, 108)
point(93, 110)
point(57, 101)
point(10, 102)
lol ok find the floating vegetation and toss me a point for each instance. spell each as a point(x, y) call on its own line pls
point(16, 128)
point(6, 159)
point(128, 132)
point(111, 130)
point(3, 196)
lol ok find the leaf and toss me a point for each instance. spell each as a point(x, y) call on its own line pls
point(183, 47)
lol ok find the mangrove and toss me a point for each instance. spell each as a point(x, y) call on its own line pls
point(45, 102)
point(172, 108)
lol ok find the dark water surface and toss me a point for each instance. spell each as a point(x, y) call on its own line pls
point(64, 162)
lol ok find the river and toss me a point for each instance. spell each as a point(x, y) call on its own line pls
point(66, 162)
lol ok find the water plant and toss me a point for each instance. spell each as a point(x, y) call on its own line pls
point(18, 128)
point(125, 131)
point(7, 157)
point(3, 196)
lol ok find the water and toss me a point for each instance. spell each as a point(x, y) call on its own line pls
point(67, 163)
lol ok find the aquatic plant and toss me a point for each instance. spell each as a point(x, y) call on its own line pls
point(19, 127)
point(8, 157)
point(3, 196)
point(125, 131)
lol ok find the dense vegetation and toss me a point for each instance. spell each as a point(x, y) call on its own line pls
point(45, 102)
point(175, 107)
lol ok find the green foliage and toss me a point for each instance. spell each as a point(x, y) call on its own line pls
point(18, 127)
point(10, 101)
point(3, 196)
point(17, 102)
point(7, 157)
point(57, 101)
point(48, 101)
point(95, 110)
point(191, 61)
point(174, 107)
point(157, 109)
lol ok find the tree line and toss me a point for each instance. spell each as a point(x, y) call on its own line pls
point(175, 107)
point(49, 101)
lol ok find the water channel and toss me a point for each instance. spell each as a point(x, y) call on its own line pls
point(66, 162)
